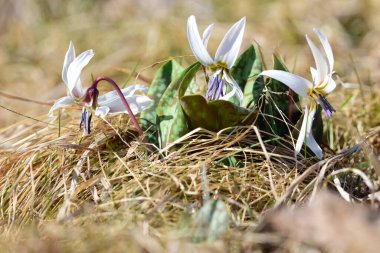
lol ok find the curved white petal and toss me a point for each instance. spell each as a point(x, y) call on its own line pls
point(299, 84)
point(235, 88)
point(102, 111)
point(116, 106)
point(313, 145)
point(206, 35)
point(228, 49)
point(132, 89)
point(127, 92)
point(314, 73)
point(229, 95)
point(73, 73)
point(326, 46)
point(69, 58)
point(330, 86)
point(60, 103)
point(196, 44)
point(306, 125)
point(320, 62)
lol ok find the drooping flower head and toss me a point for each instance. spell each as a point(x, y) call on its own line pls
point(109, 103)
point(223, 61)
point(314, 91)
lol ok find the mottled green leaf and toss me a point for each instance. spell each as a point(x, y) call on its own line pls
point(172, 122)
point(192, 88)
point(279, 105)
point(279, 87)
point(214, 115)
point(246, 73)
point(163, 77)
point(317, 127)
point(211, 221)
point(278, 64)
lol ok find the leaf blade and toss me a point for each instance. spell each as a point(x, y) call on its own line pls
point(161, 81)
point(171, 120)
point(246, 73)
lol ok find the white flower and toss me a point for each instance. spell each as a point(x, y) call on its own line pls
point(315, 92)
point(109, 103)
point(72, 68)
point(223, 61)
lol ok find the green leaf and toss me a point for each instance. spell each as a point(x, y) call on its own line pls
point(231, 161)
point(211, 221)
point(317, 127)
point(214, 115)
point(277, 105)
point(278, 64)
point(171, 119)
point(164, 76)
point(246, 73)
point(192, 88)
point(277, 86)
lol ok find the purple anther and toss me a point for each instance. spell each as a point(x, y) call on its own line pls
point(327, 107)
point(83, 119)
point(219, 91)
point(211, 87)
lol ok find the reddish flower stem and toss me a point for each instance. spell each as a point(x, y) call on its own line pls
point(290, 108)
point(126, 105)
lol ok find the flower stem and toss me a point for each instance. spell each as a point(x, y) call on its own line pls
point(127, 107)
point(290, 108)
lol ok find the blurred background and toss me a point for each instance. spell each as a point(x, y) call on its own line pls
point(129, 35)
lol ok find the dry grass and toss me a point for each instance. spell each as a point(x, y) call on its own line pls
point(103, 193)
point(105, 184)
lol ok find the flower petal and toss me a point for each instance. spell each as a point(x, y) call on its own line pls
point(60, 103)
point(69, 58)
point(127, 92)
point(326, 46)
point(73, 73)
point(236, 90)
point(330, 86)
point(206, 35)
point(228, 49)
point(299, 84)
point(314, 73)
point(320, 62)
point(102, 111)
point(313, 145)
point(306, 125)
point(196, 44)
point(114, 105)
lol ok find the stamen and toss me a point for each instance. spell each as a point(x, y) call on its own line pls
point(210, 89)
point(219, 91)
point(217, 87)
point(327, 107)
point(224, 87)
point(88, 125)
point(86, 121)
point(214, 89)
point(84, 117)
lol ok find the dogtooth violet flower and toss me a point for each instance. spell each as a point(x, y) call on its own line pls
point(224, 59)
point(314, 91)
point(109, 103)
